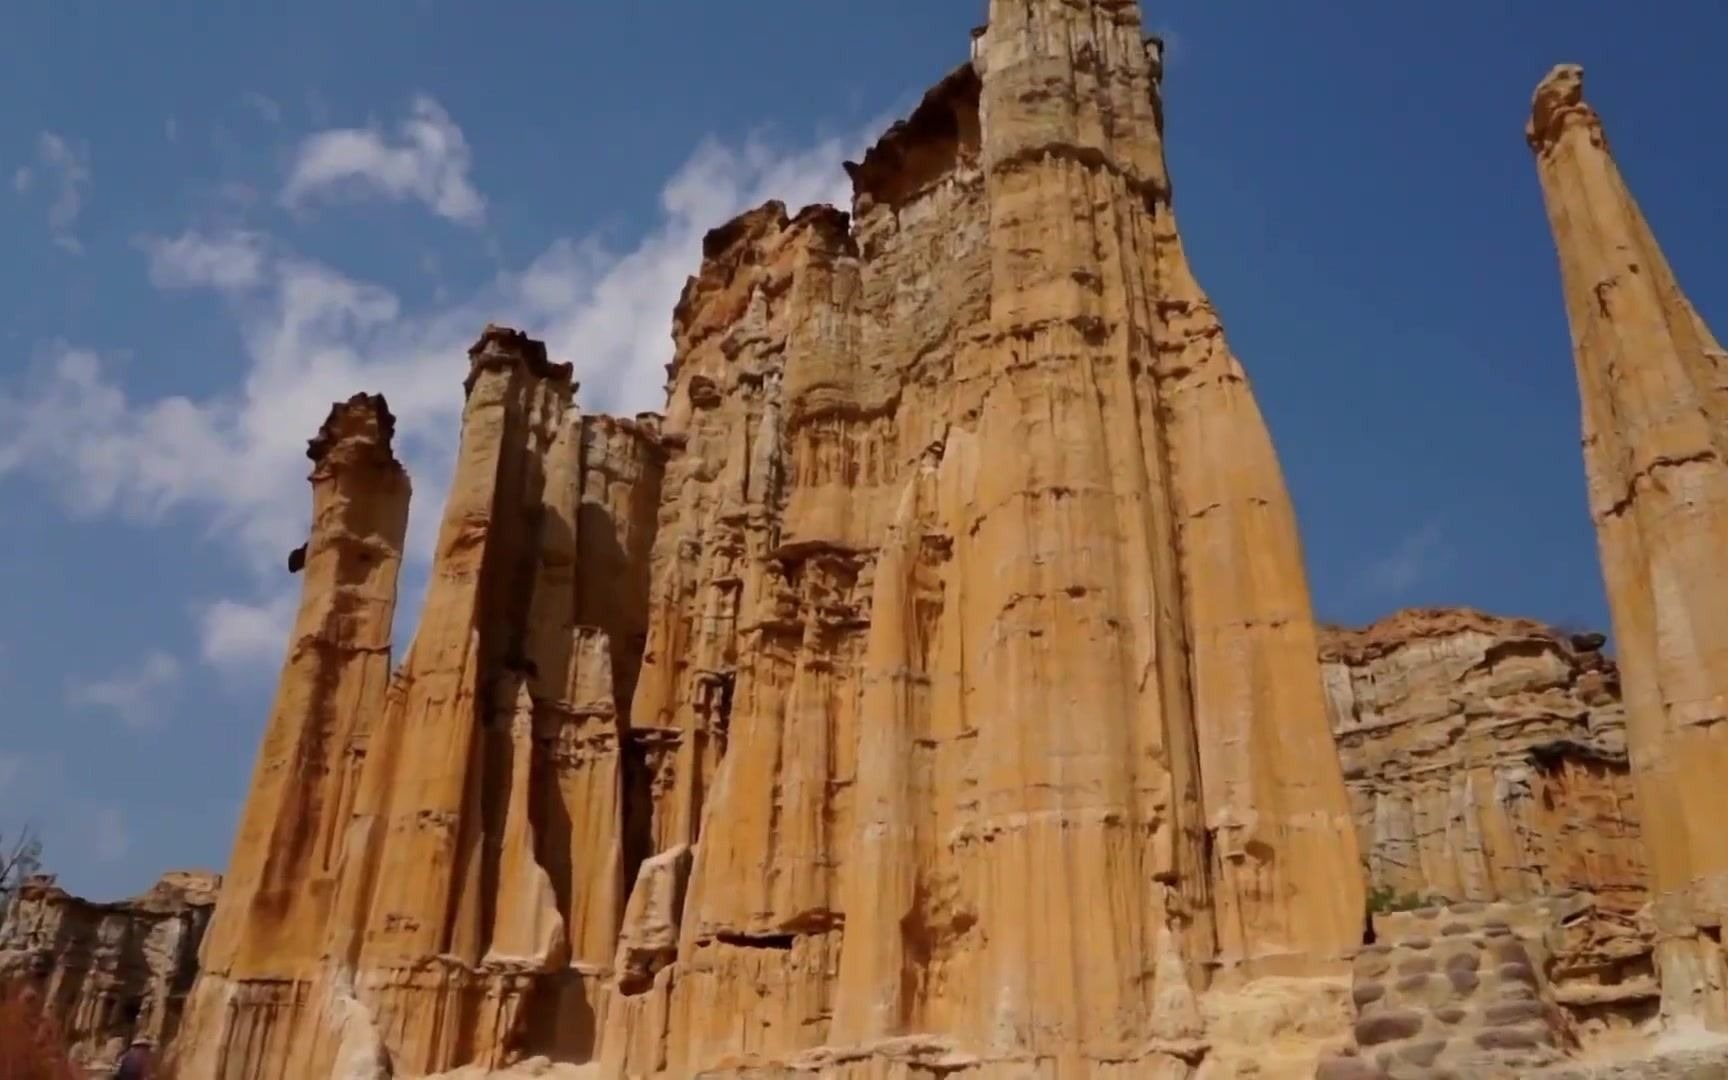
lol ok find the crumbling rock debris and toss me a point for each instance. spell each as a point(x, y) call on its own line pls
point(1655, 423)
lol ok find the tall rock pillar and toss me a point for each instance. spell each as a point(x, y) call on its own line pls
point(1092, 289)
point(1654, 388)
point(266, 936)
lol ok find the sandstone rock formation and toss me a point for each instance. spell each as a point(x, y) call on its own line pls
point(1485, 758)
point(108, 973)
point(933, 690)
point(1655, 419)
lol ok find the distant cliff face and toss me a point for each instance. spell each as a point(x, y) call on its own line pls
point(108, 973)
point(1486, 758)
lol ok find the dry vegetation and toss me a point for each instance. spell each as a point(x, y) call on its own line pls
point(30, 1043)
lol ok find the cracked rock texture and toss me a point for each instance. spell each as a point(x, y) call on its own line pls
point(1652, 383)
point(932, 691)
point(109, 972)
point(1485, 758)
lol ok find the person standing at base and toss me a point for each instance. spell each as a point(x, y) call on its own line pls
point(136, 1062)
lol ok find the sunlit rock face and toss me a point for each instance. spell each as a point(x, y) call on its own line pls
point(932, 690)
point(1655, 423)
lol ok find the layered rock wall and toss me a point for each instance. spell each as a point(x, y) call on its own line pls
point(1655, 425)
point(108, 973)
point(1485, 758)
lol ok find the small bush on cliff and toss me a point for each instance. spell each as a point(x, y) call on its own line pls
point(30, 1044)
point(20, 856)
point(1384, 899)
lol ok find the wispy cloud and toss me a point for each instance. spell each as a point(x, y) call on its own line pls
point(134, 693)
point(1416, 556)
point(266, 107)
point(313, 335)
point(246, 635)
point(63, 169)
point(228, 261)
point(427, 159)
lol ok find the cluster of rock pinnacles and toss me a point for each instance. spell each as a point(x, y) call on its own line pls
point(933, 690)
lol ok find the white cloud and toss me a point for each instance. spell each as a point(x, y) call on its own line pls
point(67, 167)
point(230, 260)
point(265, 107)
point(246, 636)
point(427, 160)
point(1416, 555)
point(134, 693)
point(312, 335)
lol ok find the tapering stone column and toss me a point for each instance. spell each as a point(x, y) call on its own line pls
point(1653, 383)
point(267, 935)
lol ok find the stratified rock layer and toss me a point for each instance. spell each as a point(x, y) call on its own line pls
point(1655, 419)
point(934, 690)
point(1485, 758)
point(108, 973)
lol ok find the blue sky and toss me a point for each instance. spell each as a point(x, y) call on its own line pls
point(221, 220)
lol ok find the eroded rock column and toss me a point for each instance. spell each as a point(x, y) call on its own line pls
point(266, 937)
point(1654, 389)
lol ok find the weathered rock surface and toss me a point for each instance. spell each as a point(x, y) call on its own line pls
point(475, 867)
point(1460, 990)
point(1655, 421)
point(109, 972)
point(1485, 758)
point(933, 691)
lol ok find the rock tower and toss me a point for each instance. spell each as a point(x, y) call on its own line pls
point(933, 689)
point(1654, 388)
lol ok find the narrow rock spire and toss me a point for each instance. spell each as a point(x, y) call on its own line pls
point(1653, 384)
point(269, 925)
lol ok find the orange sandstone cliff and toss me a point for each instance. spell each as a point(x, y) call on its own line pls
point(933, 690)
point(1655, 420)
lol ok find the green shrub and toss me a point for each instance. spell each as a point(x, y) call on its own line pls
point(1384, 899)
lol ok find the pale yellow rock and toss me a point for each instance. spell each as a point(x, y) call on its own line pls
point(1485, 758)
point(1655, 420)
point(107, 973)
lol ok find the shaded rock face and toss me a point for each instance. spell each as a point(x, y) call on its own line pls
point(1485, 758)
point(933, 690)
point(108, 973)
point(1655, 426)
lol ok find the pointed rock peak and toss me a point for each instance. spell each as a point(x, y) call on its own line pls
point(363, 423)
point(746, 228)
point(501, 347)
point(1559, 96)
